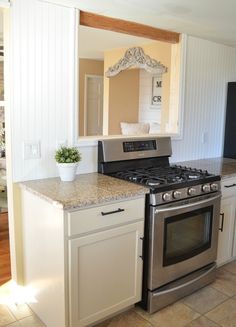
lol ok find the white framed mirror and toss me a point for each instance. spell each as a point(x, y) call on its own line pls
point(126, 103)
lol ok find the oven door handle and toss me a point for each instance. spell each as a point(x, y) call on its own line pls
point(188, 205)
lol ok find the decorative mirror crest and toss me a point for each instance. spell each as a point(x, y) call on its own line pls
point(136, 57)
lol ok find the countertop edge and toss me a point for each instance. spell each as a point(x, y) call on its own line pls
point(80, 206)
point(40, 195)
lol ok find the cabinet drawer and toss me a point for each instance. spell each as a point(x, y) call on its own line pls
point(106, 216)
point(228, 187)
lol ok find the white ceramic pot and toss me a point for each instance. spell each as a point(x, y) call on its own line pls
point(67, 171)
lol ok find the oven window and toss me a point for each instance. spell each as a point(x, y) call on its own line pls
point(187, 235)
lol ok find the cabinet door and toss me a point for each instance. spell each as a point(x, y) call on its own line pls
point(226, 235)
point(105, 273)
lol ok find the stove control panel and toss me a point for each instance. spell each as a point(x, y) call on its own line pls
point(184, 193)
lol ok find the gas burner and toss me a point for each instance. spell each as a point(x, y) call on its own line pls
point(177, 179)
point(153, 182)
point(193, 176)
point(134, 178)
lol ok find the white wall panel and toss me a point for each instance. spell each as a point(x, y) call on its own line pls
point(4, 3)
point(42, 83)
point(209, 67)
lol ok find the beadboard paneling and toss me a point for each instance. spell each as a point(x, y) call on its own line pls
point(42, 83)
point(209, 67)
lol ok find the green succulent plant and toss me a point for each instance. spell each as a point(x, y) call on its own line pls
point(67, 155)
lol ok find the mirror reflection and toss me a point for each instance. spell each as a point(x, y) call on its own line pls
point(133, 101)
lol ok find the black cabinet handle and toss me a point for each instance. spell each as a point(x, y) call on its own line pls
point(231, 185)
point(142, 239)
point(222, 222)
point(111, 212)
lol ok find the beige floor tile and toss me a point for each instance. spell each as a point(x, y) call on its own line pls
point(14, 324)
point(104, 324)
point(231, 267)
point(126, 319)
point(20, 311)
point(31, 321)
point(6, 316)
point(205, 299)
point(224, 314)
point(175, 315)
point(225, 282)
point(202, 322)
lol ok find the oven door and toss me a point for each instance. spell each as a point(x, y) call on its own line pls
point(183, 238)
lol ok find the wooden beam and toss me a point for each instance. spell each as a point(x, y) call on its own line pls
point(126, 27)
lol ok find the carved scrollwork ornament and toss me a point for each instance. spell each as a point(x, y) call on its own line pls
point(136, 57)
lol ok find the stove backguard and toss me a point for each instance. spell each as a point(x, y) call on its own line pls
point(129, 153)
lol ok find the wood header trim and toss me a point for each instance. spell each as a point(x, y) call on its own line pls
point(126, 27)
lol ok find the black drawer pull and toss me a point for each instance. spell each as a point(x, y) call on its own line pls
point(222, 222)
point(111, 212)
point(232, 185)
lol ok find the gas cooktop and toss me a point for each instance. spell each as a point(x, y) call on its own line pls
point(165, 177)
point(146, 162)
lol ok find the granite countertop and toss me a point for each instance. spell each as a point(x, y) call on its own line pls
point(86, 190)
point(225, 167)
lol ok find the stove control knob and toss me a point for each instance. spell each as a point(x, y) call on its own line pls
point(166, 196)
point(192, 191)
point(206, 188)
point(214, 187)
point(177, 194)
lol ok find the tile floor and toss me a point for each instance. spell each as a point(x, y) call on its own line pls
point(18, 316)
point(211, 306)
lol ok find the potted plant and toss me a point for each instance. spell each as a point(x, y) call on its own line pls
point(67, 159)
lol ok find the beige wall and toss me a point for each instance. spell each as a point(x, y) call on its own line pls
point(89, 67)
point(160, 51)
point(123, 100)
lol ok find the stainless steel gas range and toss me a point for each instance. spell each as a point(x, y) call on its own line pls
point(181, 220)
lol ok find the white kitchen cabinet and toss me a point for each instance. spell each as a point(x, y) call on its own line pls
point(105, 273)
point(227, 239)
point(226, 230)
point(83, 265)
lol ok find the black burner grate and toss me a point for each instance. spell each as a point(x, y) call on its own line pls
point(157, 176)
